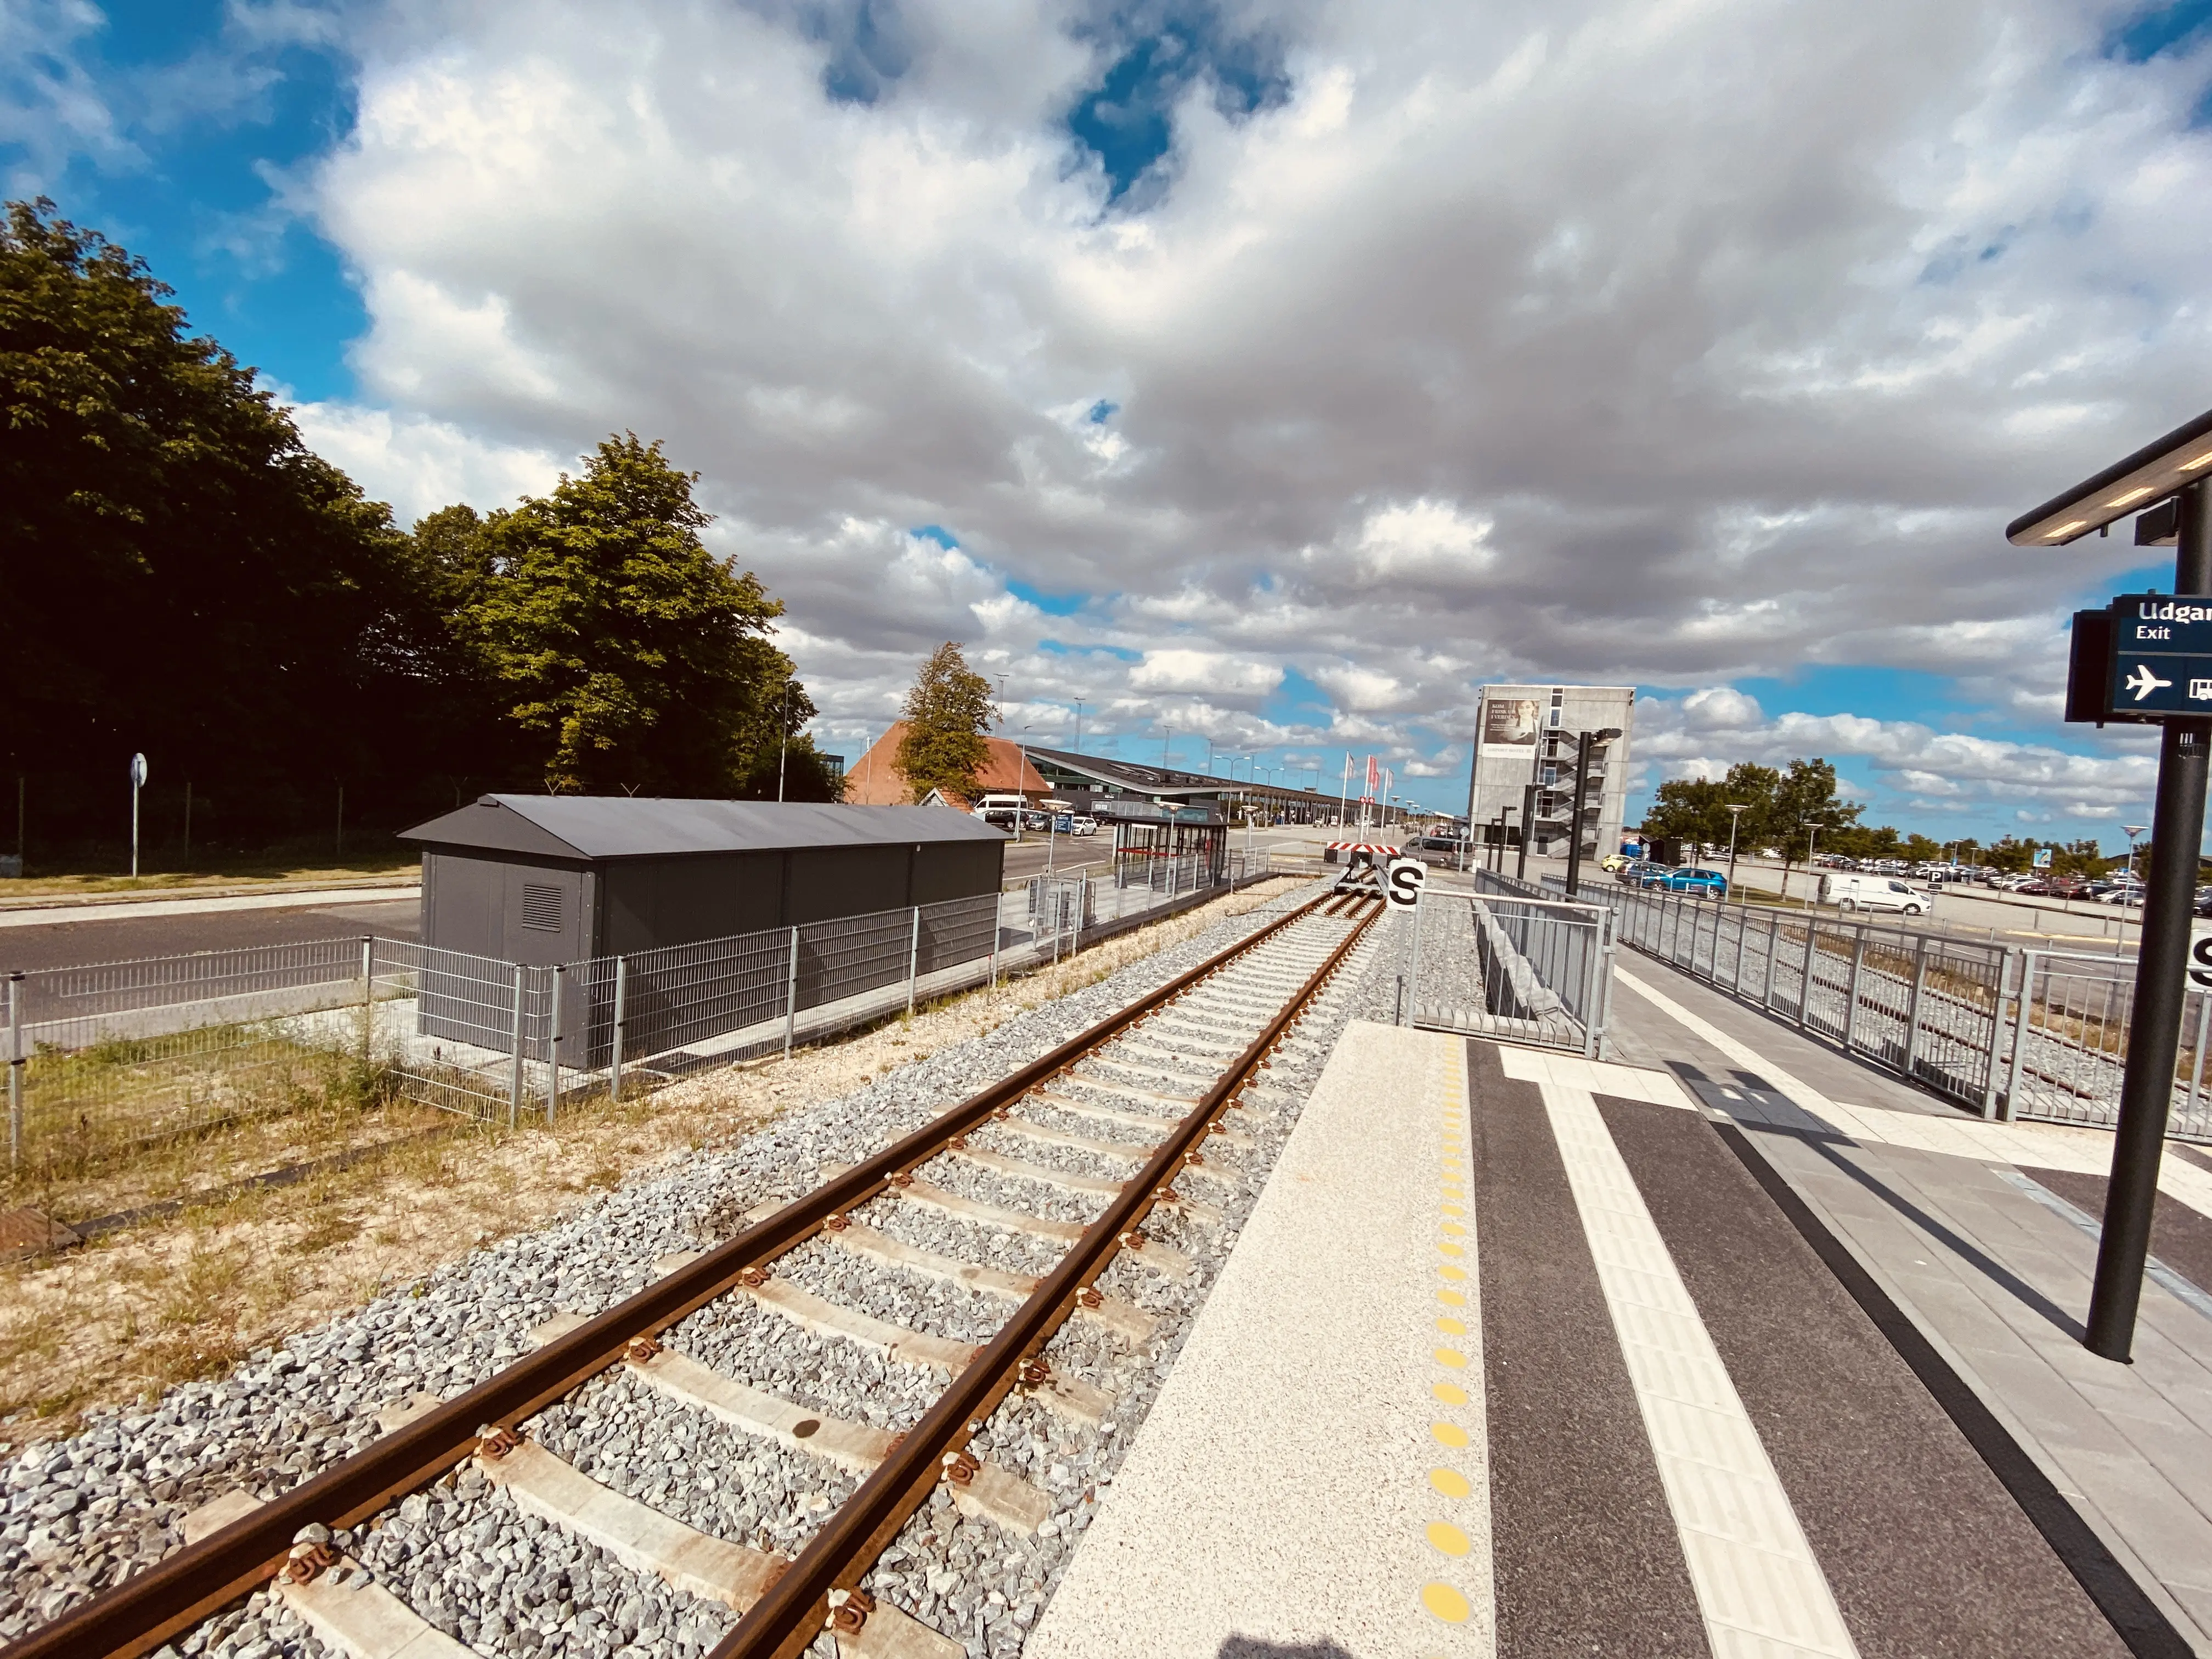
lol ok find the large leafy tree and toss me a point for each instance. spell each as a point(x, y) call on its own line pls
point(631, 658)
point(1696, 809)
point(947, 711)
point(177, 572)
point(1807, 809)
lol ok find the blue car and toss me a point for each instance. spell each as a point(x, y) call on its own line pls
point(1705, 884)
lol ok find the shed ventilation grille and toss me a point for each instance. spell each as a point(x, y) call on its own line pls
point(541, 908)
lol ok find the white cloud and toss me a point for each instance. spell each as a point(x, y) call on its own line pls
point(1180, 669)
point(1915, 769)
point(1581, 341)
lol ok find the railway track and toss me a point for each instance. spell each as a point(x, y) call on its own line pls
point(580, 1499)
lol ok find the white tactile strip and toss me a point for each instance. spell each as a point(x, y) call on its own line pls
point(1758, 1584)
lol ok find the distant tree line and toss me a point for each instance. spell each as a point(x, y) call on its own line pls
point(180, 575)
point(1795, 808)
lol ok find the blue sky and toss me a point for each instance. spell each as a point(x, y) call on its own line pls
point(1204, 388)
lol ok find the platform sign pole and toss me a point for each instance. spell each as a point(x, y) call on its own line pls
point(2161, 963)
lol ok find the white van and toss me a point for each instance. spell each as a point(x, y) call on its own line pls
point(1006, 811)
point(1862, 892)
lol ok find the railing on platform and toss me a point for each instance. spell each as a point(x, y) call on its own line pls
point(2006, 1032)
point(1510, 962)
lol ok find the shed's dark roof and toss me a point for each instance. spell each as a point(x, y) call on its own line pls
point(629, 827)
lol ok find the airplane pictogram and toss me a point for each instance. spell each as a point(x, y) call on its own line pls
point(2142, 681)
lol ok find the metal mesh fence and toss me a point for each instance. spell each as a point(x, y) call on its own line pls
point(2003, 1031)
point(111, 1058)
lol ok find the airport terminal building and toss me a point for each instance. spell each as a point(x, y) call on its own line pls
point(1526, 736)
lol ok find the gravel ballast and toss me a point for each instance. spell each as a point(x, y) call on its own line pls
point(82, 1514)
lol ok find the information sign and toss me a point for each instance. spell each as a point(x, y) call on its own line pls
point(2200, 963)
point(2161, 655)
point(1401, 886)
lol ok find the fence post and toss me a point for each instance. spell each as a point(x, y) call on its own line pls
point(367, 991)
point(998, 918)
point(2196, 1066)
point(16, 1064)
point(791, 997)
point(1773, 937)
point(514, 1085)
point(914, 958)
point(1852, 991)
point(614, 1063)
point(2009, 1110)
point(1912, 1008)
point(553, 1050)
point(1805, 979)
point(1413, 972)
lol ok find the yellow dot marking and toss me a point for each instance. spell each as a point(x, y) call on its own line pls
point(1451, 1327)
point(1451, 1298)
point(1450, 1208)
point(1450, 1393)
point(1448, 1434)
point(1451, 1228)
point(1451, 1356)
point(1451, 1249)
point(1448, 1538)
point(1450, 1482)
point(1447, 1603)
point(1446, 1271)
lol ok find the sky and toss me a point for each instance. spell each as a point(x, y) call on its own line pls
point(1253, 382)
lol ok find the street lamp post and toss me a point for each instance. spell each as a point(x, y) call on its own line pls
point(2171, 469)
point(2132, 831)
point(1584, 744)
point(1735, 818)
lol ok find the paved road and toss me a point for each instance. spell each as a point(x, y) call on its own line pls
point(108, 933)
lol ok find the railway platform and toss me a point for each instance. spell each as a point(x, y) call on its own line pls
point(1731, 1347)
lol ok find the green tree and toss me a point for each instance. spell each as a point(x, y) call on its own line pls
point(633, 659)
point(177, 572)
point(947, 711)
point(1805, 811)
point(1696, 809)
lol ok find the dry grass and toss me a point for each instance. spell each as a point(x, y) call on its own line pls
point(137, 1310)
point(245, 874)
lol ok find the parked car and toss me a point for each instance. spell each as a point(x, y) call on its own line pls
point(1612, 863)
point(1856, 892)
point(1083, 824)
point(1705, 884)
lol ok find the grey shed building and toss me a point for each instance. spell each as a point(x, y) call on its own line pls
point(540, 879)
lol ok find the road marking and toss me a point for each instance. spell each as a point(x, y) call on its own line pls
point(1759, 1586)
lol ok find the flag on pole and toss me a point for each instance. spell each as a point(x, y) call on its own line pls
point(1374, 779)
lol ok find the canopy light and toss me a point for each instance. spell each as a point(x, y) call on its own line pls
point(2181, 456)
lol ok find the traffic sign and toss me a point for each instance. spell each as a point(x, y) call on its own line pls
point(2200, 962)
point(2161, 655)
point(1401, 886)
point(137, 771)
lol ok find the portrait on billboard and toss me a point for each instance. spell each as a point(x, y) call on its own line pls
point(1511, 720)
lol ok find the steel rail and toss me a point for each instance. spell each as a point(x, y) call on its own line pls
point(180, 1590)
point(796, 1607)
